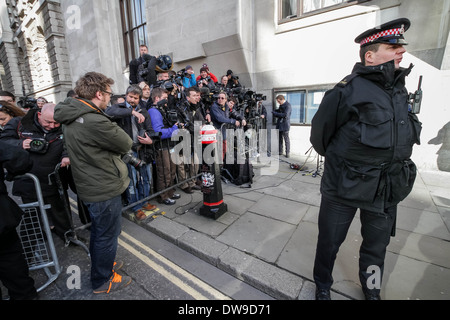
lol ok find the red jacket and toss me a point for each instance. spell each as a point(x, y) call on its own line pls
point(213, 77)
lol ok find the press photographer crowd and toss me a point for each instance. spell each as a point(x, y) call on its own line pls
point(115, 152)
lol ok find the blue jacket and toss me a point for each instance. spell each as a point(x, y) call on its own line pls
point(192, 82)
point(158, 124)
point(220, 116)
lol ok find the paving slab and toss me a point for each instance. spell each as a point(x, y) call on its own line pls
point(258, 235)
point(288, 211)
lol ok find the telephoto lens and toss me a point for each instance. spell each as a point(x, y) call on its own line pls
point(132, 160)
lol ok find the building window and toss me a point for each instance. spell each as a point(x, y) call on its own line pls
point(134, 25)
point(305, 103)
point(290, 9)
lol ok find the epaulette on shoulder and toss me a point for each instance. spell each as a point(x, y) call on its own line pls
point(347, 80)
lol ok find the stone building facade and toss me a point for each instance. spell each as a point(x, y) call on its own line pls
point(33, 51)
point(299, 48)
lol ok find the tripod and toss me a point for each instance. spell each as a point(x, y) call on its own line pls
point(316, 173)
point(319, 166)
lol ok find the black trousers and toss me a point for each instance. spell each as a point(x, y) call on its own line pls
point(334, 221)
point(14, 269)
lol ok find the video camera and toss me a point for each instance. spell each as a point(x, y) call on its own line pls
point(27, 103)
point(170, 115)
point(209, 95)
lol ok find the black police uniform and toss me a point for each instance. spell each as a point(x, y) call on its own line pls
point(364, 130)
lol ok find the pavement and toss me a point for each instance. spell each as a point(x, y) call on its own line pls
point(268, 236)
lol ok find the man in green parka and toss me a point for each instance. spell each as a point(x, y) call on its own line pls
point(96, 145)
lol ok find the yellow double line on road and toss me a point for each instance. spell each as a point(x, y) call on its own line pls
point(162, 271)
point(168, 275)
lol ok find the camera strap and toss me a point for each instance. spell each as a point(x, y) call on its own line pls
point(89, 105)
point(20, 134)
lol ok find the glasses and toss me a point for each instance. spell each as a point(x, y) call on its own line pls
point(221, 98)
point(110, 93)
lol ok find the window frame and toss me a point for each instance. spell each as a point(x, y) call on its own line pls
point(128, 16)
point(307, 90)
point(300, 15)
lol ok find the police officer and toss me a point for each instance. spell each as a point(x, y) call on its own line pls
point(366, 133)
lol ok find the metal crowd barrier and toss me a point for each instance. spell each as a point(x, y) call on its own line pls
point(36, 237)
point(71, 235)
point(159, 147)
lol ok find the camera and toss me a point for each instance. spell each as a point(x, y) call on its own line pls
point(169, 115)
point(208, 78)
point(130, 159)
point(27, 103)
point(153, 135)
point(38, 145)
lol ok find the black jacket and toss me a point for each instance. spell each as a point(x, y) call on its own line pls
point(134, 66)
point(283, 116)
point(121, 114)
point(364, 130)
point(16, 161)
point(28, 127)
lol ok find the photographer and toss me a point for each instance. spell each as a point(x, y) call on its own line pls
point(40, 102)
point(165, 168)
point(189, 79)
point(192, 114)
point(14, 272)
point(39, 134)
point(208, 73)
point(147, 70)
point(135, 121)
point(205, 79)
point(221, 115)
point(165, 81)
point(233, 81)
point(135, 63)
point(145, 102)
point(7, 96)
point(8, 111)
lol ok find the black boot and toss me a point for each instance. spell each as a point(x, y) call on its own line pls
point(323, 294)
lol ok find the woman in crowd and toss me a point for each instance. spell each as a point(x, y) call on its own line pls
point(8, 111)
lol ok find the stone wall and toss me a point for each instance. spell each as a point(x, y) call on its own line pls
point(35, 56)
